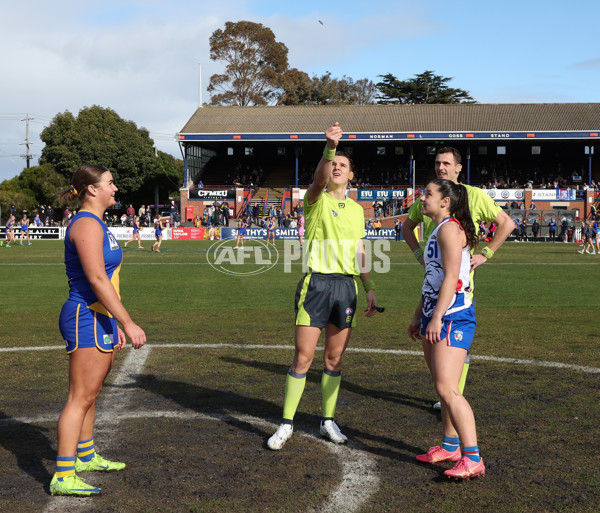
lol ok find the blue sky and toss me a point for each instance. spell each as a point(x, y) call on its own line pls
point(141, 58)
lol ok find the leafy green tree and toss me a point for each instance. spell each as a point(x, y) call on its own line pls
point(21, 199)
point(39, 185)
point(99, 136)
point(254, 62)
point(164, 179)
point(44, 182)
point(424, 88)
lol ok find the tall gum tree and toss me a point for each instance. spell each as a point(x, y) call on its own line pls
point(254, 64)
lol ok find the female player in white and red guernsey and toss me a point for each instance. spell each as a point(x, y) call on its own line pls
point(445, 322)
point(88, 324)
point(326, 296)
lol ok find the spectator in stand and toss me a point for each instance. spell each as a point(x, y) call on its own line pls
point(200, 185)
point(398, 229)
point(37, 222)
point(564, 230)
point(123, 219)
point(524, 230)
point(552, 229)
point(47, 221)
point(535, 229)
point(197, 222)
point(130, 212)
point(279, 218)
point(533, 206)
point(66, 216)
point(173, 210)
point(377, 226)
point(225, 213)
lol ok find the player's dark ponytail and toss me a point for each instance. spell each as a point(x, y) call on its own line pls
point(459, 207)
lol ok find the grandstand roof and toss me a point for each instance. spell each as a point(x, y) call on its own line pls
point(477, 117)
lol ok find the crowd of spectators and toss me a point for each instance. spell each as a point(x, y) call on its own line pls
point(518, 180)
point(42, 215)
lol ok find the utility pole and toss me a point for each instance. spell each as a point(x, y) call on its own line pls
point(27, 142)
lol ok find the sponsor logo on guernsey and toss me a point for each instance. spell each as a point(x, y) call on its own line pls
point(112, 241)
point(341, 205)
point(335, 214)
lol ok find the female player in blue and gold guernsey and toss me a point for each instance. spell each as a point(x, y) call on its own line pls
point(136, 233)
point(326, 296)
point(88, 324)
point(24, 230)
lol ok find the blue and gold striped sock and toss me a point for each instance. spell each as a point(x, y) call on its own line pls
point(65, 466)
point(85, 449)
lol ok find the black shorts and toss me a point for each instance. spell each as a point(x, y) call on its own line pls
point(323, 299)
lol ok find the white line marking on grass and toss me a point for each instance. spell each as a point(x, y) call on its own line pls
point(359, 474)
point(516, 361)
point(359, 477)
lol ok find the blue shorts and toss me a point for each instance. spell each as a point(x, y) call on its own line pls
point(458, 330)
point(82, 327)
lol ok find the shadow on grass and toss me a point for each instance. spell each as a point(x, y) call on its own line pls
point(224, 405)
point(29, 445)
point(314, 376)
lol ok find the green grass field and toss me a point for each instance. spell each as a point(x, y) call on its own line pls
point(191, 413)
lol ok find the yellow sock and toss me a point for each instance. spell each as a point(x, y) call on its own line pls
point(330, 387)
point(294, 388)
